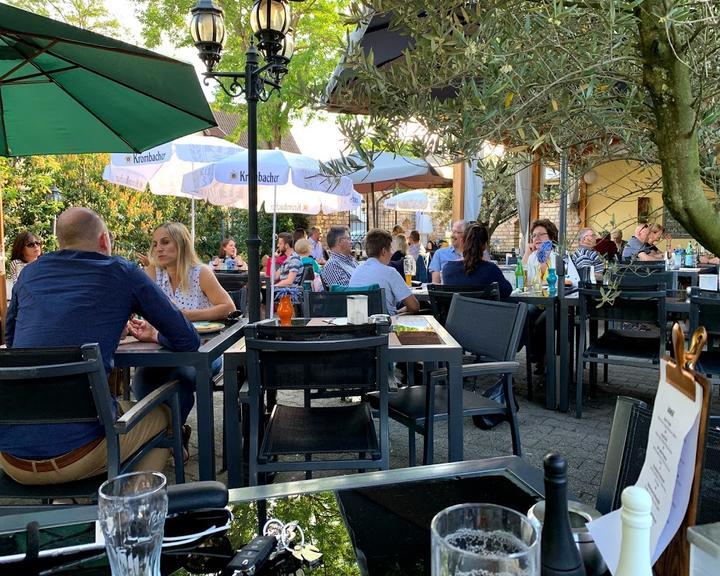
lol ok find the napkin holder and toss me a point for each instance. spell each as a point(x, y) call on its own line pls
point(357, 309)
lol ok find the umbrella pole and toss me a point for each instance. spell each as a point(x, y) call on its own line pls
point(192, 220)
point(272, 255)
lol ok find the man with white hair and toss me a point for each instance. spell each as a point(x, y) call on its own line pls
point(452, 252)
point(586, 256)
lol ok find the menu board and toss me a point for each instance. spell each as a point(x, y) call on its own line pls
point(672, 226)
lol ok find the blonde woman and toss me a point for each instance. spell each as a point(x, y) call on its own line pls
point(193, 288)
point(177, 270)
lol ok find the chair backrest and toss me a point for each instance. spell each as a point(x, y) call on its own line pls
point(54, 386)
point(705, 311)
point(302, 358)
point(490, 330)
point(334, 304)
point(631, 304)
point(308, 273)
point(647, 276)
point(239, 298)
point(231, 280)
point(440, 300)
point(421, 272)
point(626, 455)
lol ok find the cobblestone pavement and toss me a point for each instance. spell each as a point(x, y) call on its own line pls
point(582, 442)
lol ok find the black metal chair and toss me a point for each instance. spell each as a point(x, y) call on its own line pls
point(281, 358)
point(68, 385)
point(334, 304)
point(441, 296)
point(646, 276)
point(705, 311)
point(617, 345)
point(494, 346)
point(626, 455)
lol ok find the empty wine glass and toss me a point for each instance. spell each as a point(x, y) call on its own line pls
point(484, 540)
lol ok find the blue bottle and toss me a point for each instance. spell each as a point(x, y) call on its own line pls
point(552, 281)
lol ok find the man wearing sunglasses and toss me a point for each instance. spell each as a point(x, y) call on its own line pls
point(639, 248)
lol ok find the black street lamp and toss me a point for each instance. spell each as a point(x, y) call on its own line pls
point(56, 196)
point(270, 21)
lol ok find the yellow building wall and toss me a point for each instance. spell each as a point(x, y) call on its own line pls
point(613, 190)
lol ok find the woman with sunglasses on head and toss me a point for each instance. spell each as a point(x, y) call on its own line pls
point(26, 249)
point(194, 289)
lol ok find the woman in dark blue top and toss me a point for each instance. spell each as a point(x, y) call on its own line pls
point(472, 269)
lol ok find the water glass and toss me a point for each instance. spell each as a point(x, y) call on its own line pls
point(484, 540)
point(132, 509)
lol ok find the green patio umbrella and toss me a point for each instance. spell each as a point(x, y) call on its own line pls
point(64, 90)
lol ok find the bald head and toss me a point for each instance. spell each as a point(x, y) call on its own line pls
point(82, 229)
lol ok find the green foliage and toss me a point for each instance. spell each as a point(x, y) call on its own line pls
point(88, 14)
point(600, 79)
point(320, 519)
point(318, 31)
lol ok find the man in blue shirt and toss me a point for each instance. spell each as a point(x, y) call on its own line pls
point(375, 270)
point(74, 296)
point(449, 254)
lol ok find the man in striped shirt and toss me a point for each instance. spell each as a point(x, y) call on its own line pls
point(341, 265)
point(586, 256)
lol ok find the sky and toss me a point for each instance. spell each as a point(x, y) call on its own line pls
point(321, 138)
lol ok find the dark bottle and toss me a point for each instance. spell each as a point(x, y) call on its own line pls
point(559, 554)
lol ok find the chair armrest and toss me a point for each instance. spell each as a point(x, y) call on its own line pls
point(140, 409)
point(481, 369)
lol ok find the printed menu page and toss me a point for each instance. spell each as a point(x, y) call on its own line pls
point(667, 473)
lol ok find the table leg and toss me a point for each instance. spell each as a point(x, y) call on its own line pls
point(455, 409)
point(564, 356)
point(551, 383)
point(205, 421)
point(231, 422)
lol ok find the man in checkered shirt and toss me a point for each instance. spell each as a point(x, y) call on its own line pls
point(341, 265)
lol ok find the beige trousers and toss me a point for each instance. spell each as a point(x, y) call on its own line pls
point(95, 461)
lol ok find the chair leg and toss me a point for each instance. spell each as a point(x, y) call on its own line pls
point(512, 415)
point(428, 445)
point(605, 371)
point(528, 374)
point(412, 460)
point(580, 365)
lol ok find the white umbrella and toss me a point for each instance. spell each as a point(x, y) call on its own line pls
point(287, 182)
point(412, 201)
point(162, 168)
point(393, 171)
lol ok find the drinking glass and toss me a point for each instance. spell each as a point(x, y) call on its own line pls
point(409, 268)
point(132, 509)
point(484, 540)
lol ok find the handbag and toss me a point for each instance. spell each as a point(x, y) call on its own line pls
point(496, 392)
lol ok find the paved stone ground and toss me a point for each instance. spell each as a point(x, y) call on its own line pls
point(582, 442)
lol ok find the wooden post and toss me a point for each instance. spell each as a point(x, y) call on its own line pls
point(582, 204)
point(458, 204)
point(535, 180)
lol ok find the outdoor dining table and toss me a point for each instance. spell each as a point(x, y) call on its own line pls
point(551, 303)
point(136, 354)
point(448, 351)
point(381, 519)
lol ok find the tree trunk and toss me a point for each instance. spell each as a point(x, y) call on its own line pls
point(668, 81)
